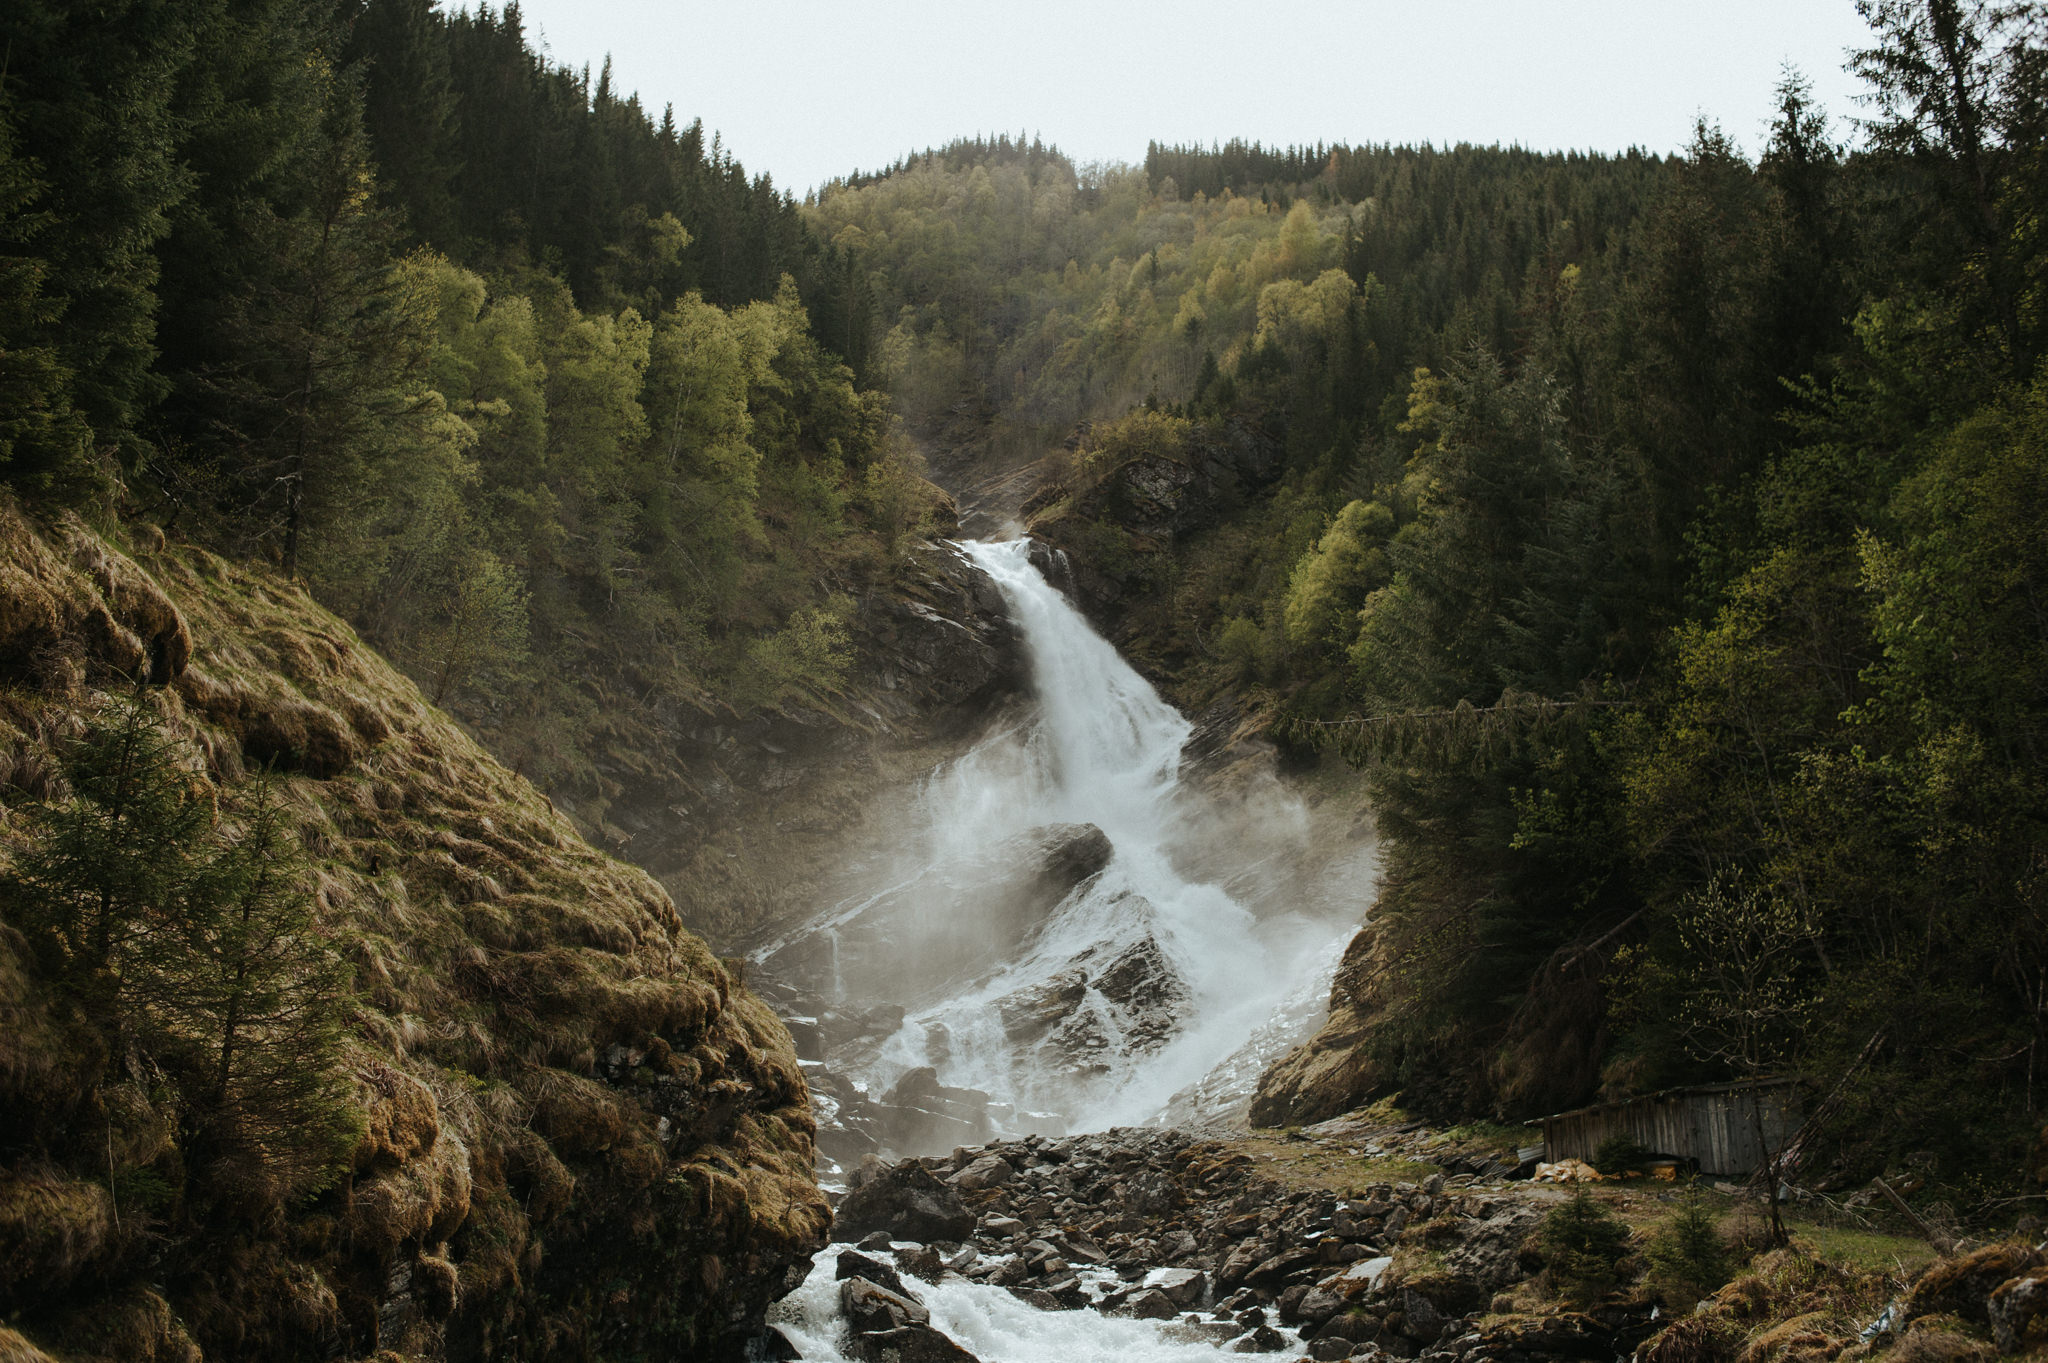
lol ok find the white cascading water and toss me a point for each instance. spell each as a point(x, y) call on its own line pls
point(994, 1326)
point(1102, 748)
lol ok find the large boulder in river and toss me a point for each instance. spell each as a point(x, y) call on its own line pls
point(908, 1202)
point(908, 1344)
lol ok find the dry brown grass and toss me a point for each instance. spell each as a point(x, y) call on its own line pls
point(497, 956)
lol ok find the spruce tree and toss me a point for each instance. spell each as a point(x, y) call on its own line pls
point(247, 999)
point(100, 868)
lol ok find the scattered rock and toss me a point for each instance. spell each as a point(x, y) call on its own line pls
point(986, 1172)
point(1263, 1340)
point(922, 1261)
point(852, 1265)
point(1184, 1287)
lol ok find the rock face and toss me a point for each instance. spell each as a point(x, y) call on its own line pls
point(1133, 1000)
point(741, 819)
point(579, 1134)
point(1144, 506)
point(1332, 1072)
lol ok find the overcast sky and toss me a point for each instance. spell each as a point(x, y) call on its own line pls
point(809, 89)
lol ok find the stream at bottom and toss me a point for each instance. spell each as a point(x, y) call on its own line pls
point(995, 1326)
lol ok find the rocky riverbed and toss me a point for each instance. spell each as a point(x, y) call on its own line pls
point(1366, 1237)
point(1180, 1232)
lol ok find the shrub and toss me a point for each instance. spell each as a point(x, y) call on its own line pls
point(1687, 1258)
point(1583, 1244)
point(1619, 1154)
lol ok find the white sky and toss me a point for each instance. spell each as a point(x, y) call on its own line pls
point(809, 89)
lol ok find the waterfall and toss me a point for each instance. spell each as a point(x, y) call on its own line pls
point(1077, 928)
point(1198, 971)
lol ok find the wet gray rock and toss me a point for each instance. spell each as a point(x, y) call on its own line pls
point(1263, 1340)
point(909, 1203)
point(1150, 1304)
point(908, 1344)
point(1183, 1286)
point(853, 1265)
point(870, 1307)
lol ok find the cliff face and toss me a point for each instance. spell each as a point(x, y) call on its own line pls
point(1334, 1070)
point(579, 1135)
point(747, 821)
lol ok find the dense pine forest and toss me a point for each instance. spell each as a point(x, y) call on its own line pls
point(545, 394)
point(1660, 537)
point(1660, 541)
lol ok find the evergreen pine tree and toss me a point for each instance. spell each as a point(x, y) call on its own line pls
point(1583, 1244)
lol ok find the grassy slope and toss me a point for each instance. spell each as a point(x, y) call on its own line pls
point(514, 1194)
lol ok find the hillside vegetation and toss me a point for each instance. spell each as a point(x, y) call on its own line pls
point(532, 386)
point(1659, 538)
point(341, 1038)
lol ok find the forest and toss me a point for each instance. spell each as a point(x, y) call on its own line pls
point(1661, 538)
point(546, 395)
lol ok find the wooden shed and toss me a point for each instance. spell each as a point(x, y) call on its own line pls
point(1717, 1125)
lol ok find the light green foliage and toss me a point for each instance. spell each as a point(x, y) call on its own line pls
point(582, 491)
point(1138, 434)
point(479, 627)
point(1121, 288)
point(1300, 319)
point(1240, 644)
point(1331, 582)
point(805, 661)
point(1744, 1007)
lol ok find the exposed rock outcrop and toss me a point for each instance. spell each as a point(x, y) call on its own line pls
point(1102, 535)
point(746, 820)
point(579, 1134)
point(1333, 1071)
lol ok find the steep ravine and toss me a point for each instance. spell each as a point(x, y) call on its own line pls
point(580, 1136)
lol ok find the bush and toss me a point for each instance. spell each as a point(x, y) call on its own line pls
point(1583, 1244)
point(1687, 1258)
point(1619, 1154)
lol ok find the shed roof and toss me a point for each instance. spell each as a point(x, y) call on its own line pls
point(1684, 1091)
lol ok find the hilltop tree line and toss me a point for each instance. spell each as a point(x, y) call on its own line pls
point(553, 400)
point(1662, 537)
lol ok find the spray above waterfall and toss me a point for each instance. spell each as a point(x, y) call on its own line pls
point(1077, 928)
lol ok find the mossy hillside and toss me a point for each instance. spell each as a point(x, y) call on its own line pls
point(579, 1134)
